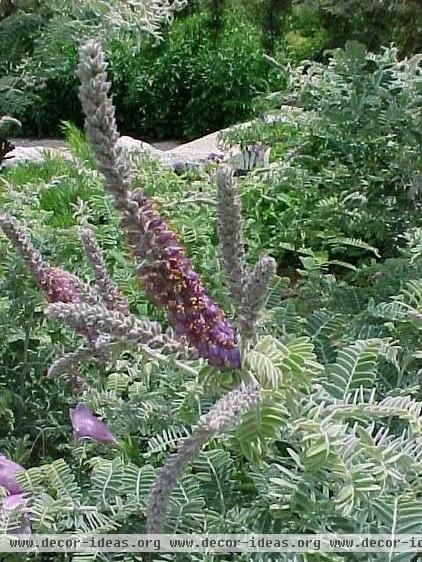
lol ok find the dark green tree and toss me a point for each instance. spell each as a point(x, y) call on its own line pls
point(275, 14)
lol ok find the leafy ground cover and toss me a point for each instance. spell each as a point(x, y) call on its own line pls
point(336, 446)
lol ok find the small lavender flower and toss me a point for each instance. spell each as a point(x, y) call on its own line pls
point(168, 275)
point(8, 472)
point(259, 154)
point(214, 157)
point(226, 413)
point(87, 426)
point(14, 501)
point(179, 167)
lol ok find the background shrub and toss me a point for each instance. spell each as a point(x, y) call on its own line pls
point(190, 83)
point(202, 76)
point(343, 157)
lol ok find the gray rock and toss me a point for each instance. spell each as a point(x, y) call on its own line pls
point(135, 145)
point(34, 150)
point(23, 154)
point(191, 155)
point(197, 150)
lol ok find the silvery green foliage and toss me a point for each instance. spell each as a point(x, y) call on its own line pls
point(346, 461)
point(108, 17)
point(347, 136)
point(230, 229)
point(170, 474)
point(327, 439)
point(140, 16)
point(224, 415)
point(255, 294)
point(248, 287)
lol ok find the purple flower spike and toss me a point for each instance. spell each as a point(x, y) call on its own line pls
point(60, 286)
point(8, 472)
point(87, 426)
point(168, 274)
point(172, 284)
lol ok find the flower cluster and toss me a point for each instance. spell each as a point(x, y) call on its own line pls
point(58, 285)
point(224, 415)
point(168, 274)
point(172, 284)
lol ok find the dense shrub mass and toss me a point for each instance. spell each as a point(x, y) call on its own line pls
point(192, 83)
point(189, 83)
point(204, 74)
point(111, 421)
point(345, 155)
